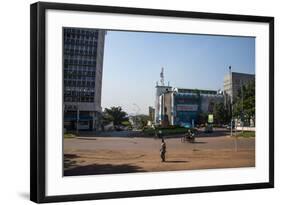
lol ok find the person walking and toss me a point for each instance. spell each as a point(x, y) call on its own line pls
point(163, 150)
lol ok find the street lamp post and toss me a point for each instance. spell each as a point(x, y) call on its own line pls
point(231, 104)
point(77, 119)
point(231, 100)
point(242, 95)
point(137, 114)
point(77, 112)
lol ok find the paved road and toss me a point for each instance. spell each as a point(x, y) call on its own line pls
point(104, 155)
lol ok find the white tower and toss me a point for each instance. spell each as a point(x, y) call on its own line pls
point(160, 89)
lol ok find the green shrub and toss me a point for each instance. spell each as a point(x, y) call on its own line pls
point(69, 135)
point(247, 134)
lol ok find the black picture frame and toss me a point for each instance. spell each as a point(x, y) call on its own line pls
point(38, 101)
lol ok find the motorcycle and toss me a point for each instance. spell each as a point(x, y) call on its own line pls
point(188, 137)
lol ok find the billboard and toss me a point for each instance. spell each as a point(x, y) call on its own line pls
point(185, 107)
point(210, 118)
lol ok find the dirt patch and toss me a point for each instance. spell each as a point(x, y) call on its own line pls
point(126, 155)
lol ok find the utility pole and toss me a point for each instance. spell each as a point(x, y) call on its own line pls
point(231, 103)
point(137, 117)
point(77, 108)
point(241, 86)
point(231, 99)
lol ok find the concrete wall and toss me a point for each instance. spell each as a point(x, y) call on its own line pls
point(99, 71)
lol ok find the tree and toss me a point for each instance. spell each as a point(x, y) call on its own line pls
point(221, 114)
point(143, 120)
point(140, 121)
point(202, 118)
point(244, 105)
point(115, 115)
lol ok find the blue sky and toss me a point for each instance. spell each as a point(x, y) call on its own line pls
point(133, 61)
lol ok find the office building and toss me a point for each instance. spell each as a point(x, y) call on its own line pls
point(233, 82)
point(181, 106)
point(151, 113)
point(83, 66)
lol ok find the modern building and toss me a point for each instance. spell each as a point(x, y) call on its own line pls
point(83, 51)
point(233, 82)
point(181, 106)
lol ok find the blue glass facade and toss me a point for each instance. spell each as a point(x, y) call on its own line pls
point(186, 108)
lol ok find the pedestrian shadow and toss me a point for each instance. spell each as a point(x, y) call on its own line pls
point(86, 138)
point(176, 161)
point(196, 142)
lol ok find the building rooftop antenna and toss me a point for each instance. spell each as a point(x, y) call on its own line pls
point(162, 77)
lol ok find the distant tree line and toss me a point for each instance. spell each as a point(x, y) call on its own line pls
point(120, 118)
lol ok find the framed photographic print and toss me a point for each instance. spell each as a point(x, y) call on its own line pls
point(129, 102)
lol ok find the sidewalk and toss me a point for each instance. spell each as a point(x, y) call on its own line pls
point(246, 128)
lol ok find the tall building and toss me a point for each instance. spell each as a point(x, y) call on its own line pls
point(83, 65)
point(233, 82)
point(151, 113)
